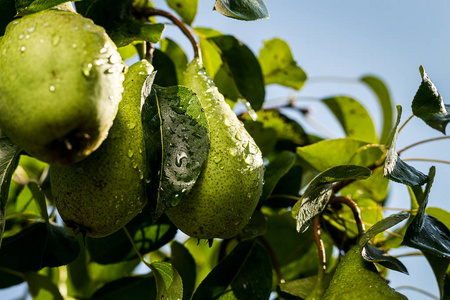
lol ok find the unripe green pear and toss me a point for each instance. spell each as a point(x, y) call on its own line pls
point(103, 192)
point(60, 85)
point(356, 278)
point(227, 191)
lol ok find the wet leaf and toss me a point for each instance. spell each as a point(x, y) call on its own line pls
point(429, 106)
point(397, 170)
point(247, 10)
point(384, 100)
point(246, 273)
point(168, 281)
point(376, 255)
point(278, 65)
point(244, 67)
point(381, 226)
point(353, 117)
point(177, 135)
point(186, 9)
point(316, 196)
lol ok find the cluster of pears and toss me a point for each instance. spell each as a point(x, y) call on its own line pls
point(68, 100)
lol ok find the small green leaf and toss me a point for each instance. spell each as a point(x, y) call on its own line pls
point(244, 67)
point(176, 54)
point(26, 7)
point(385, 102)
point(166, 74)
point(183, 261)
point(247, 10)
point(275, 170)
point(397, 170)
point(168, 281)
point(353, 117)
point(376, 255)
point(177, 135)
point(278, 65)
point(41, 287)
point(246, 273)
point(7, 13)
point(381, 226)
point(429, 106)
point(9, 158)
point(210, 52)
point(136, 287)
point(132, 30)
point(186, 9)
point(316, 196)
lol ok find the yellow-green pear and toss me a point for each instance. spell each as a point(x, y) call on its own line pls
point(103, 192)
point(60, 85)
point(227, 191)
point(356, 278)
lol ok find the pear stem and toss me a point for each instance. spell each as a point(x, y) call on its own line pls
point(136, 248)
point(147, 12)
point(320, 249)
point(355, 210)
point(273, 259)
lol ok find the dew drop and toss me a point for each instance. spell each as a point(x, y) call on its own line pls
point(27, 36)
point(233, 151)
point(75, 27)
point(130, 153)
point(21, 36)
point(55, 40)
point(131, 125)
point(249, 159)
point(51, 88)
point(87, 68)
point(249, 195)
point(180, 157)
point(134, 164)
point(30, 30)
point(141, 175)
point(115, 58)
point(238, 136)
point(226, 121)
point(221, 166)
point(103, 50)
point(22, 50)
point(217, 159)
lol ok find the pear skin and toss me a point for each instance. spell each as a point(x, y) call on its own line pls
point(227, 191)
point(103, 192)
point(61, 83)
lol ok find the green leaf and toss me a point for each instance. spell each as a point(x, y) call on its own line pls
point(376, 255)
point(397, 170)
point(147, 235)
point(247, 10)
point(278, 65)
point(26, 7)
point(136, 287)
point(316, 196)
point(244, 67)
point(429, 106)
point(353, 117)
point(7, 13)
point(11, 278)
point(177, 135)
point(275, 171)
point(186, 9)
point(440, 267)
point(168, 281)
point(9, 158)
point(166, 74)
point(184, 263)
point(101, 274)
point(128, 52)
point(257, 226)
point(246, 273)
point(440, 214)
point(330, 153)
point(210, 52)
point(176, 54)
point(381, 226)
point(385, 102)
point(205, 257)
point(41, 287)
point(117, 19)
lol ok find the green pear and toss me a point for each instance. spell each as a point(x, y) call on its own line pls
point(103, 192)
point(61, 83)
point(227, 191)
point(356, 278)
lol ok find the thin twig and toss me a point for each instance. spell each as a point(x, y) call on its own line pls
point(320, 248)
point(148, 12)
point(407, 287)
point(355, 210)
point(423, 142)
point(136, 248)
point(427, 159)
point(273, 259)
point(418, 253)
point(406, 122)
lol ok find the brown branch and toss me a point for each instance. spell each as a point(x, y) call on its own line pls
point(355, 210)
point(320, 247)
point(148, 12)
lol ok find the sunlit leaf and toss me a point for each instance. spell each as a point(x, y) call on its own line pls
point(186, 9)
point(41, 287)
point(210, 52)
point(385, 102)
point(440, 214)
point(353, 117)
point(247, 10)
point(381, 226)
point(278, 65)
point(316, 196)
point(168, 281)
point(25, 7)
point(429, 106)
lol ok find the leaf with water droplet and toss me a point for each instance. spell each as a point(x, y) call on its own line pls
point(169, 115)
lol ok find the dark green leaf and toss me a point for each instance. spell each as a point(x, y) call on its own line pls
point(440, 267)
point(397, 170)
point(168, 282)
point(278, 65)
point(176, 54)
point(247, 10)
point(183, 261)
point(7, 13)
point(25, 7)
point(265, 138)
point(166, 74)
point(316, 196)
point(117, 19)
point(385, 102)
point(9, 154)
point(60, 249)
point(429, 106)
point(137, 287)
point(244, 67)
point(373, 254)
point(177, 135)
point(147, 236)
point(381, 226)
point(41, 287)
point(8, 279)
point(353, 117)
point(210, 52)
point(246, 272)
point(257, 226)
point(440, 214)
point(275, 171)
point(186, 9)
